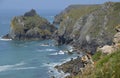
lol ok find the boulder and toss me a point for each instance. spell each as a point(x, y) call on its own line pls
point(106, 49)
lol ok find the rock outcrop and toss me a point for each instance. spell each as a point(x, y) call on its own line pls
point(30, 26)
point(88, 27)
point(108, 49)
point(76, 66)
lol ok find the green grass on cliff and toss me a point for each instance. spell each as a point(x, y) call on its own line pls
point(106, 67)
point(74, 14)
point(105, 21)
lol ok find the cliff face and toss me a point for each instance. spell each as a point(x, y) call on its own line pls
point(92, 27)
point(30, 26)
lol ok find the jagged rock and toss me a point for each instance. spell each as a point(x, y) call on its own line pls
point(76, 66)
point(7, 36)
point(30, 27)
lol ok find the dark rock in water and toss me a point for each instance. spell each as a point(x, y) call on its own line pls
point(30, 27)
point(7, 36)
point(52, 76)
point(71, 66)
point(76, 66)
point(87, 27)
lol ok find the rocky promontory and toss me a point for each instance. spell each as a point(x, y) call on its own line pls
point(90, 26)
point(30, 26)
point(92, 30)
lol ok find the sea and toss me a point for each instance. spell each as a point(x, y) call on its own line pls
point(30, 59)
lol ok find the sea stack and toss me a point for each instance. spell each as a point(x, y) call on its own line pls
point(30, 26)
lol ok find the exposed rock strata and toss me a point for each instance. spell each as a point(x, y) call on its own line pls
point(93, 28)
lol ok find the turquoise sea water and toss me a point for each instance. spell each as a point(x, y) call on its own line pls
point(28, 59)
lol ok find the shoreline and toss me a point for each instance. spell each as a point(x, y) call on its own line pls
point(59, 68)
point(57, 73)
point(75, 65)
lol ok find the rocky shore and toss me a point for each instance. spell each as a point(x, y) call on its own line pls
point(91, 32)
point(90, 29)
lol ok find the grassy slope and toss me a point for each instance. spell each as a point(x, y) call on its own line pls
point(106, 66)
point(74, 14)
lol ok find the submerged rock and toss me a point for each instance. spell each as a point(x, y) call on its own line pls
point(30, 26)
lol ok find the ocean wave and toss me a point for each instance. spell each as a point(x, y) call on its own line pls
point(57, 73)
point(46, 50)
point(58, 53)
point(17, 66)
point(25, 68)
point(44, 45)
point(54, 72)
point(10, 67)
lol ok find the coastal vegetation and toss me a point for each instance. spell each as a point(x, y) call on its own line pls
point(105, 67)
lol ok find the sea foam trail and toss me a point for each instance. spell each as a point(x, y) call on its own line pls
point(44, 45)
point(46, 50)
point(54, 72)
point(58, 53)
point(18, 66)
point(10, 67)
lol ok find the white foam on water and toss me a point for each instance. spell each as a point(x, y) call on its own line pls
point(18, 66)
point(24, 68)
point(44, 45)
point(54, 72)
point(57, 73)
point(51, 50)
point(5, 39)
point(61, 52)
point(54, 54)
point(46, 50)
point(10, 67)
point(58, 53)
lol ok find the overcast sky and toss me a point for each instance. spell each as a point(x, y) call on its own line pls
point(45, 4)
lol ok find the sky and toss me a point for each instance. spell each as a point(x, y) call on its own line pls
point(45, 4)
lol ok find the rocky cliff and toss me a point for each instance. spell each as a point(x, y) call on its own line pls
point(103, 64)
point(87, 27)
point(30, 26)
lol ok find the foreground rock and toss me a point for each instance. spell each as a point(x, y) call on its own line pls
point(108, 49)
point(88, 27)
point(76, 66)
point(30, 26)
